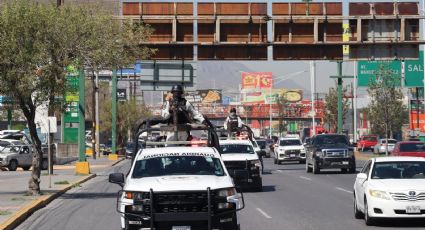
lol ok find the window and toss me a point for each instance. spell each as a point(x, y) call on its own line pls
point(178, 165)
point(289, 142)
point(412, 147)
point(235, 148)
point(366, 168)
point(399, 170)
point(331, 140)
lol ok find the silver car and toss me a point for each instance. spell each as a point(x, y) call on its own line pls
point(380, 147)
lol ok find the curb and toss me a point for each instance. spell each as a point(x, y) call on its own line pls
point(37, 204)
point(118, 161)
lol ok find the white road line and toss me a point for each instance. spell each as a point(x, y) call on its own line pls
point(263, 213)
point(305, 178)
point(279, 171)
point(344, 190)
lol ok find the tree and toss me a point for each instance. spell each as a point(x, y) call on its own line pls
point(331, 107)
point(128, 113)
point(386, 111)
point(38, 42)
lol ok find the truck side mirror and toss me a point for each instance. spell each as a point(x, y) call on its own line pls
point(117, 178)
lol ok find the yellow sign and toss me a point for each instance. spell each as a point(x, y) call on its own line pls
point(345, 38)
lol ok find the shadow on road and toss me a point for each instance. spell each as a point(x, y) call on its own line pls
point(89, 195)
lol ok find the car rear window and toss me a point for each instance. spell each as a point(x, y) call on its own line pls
point(389, 141)
point(412, 147)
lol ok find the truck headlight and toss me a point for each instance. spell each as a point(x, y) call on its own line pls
point(226, 192)
point(319, 153)
point(302, 151)
point(255, 163)
point(128, 195)
point(379, 194)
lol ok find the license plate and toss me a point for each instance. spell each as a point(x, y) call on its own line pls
point(413, 209)
point(180, 228)
point(345, 162)
point(292, 155)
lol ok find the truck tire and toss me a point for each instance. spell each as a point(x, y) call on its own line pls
point(26, 168)
point(44, 164)
point(258, 185)
point(13, 165)
point(316, 169)
point(352, 169)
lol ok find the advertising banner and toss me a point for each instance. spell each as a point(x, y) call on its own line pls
point(265, 96)
point(200, 96)
point(256, 80)
point(414, 121)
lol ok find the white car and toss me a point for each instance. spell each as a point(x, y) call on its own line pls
point(188, 187)
point(390, 187)
point(289, 149)
point(242, 162)
point(380, 147)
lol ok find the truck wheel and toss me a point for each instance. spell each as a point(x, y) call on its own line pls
point(26, 168)
point(344, 170)
point(316, 169)
point(352, 169)
point(13, 165)
point(307, 167)
point(44, 164)
point(259, 186)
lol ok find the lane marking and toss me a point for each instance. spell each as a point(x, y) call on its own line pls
point(305, 178)
point(280, 171)
point(344, 190)
point(263, 213)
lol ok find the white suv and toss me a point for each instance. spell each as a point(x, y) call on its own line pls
point(178, 188)
point(289, 149)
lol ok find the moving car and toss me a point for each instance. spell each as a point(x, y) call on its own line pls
point(409, 148)
point(367, 142)
point(129, 150)
point(289, 149)
point(242, 163)
point(330, 151)
point(390, 187)
point(183, 188)
point(381, 146)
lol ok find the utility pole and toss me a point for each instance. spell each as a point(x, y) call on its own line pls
point(340, 77)
point(81, 118)
point(97, 114)
point(93, 128)
point(114, 111)
point(9, 117)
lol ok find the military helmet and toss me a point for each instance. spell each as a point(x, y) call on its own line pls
point(177, 88)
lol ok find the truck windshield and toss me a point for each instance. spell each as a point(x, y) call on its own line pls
point(331, 140)
point(289, 142)
point(177, 165)
point(238, 149)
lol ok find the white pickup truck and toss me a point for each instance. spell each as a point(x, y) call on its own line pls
point(16, 153)
point(178, 188)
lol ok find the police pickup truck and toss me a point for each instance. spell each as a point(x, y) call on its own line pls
point(178, 188)
point(243, 163)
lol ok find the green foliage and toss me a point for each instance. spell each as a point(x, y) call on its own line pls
point(62, 182)
point(331, 107)
point(386, 111)
point(38, 42)
point(4, 213)
point(128, 113)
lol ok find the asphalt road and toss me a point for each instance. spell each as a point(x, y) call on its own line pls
point(292, 199)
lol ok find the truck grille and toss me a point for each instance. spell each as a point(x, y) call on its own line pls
point(232, 165)
point(336, 152)
point(294, 151)
point(179, 202)
point(406, 197)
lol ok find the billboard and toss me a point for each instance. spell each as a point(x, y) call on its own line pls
point(414, 118)
point(256, 80)
point(265, 96)
point(200, 96)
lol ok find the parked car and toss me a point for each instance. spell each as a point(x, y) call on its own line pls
point(330, 151)
point(18, 154)
point(409, 148)
point(367, 142)
point(390, 187)
point(381, 146)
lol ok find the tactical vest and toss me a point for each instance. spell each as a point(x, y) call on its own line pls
point(183, 116)
point(233, 123)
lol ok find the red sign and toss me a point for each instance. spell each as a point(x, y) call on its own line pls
point(257, 80)
point(414, 121)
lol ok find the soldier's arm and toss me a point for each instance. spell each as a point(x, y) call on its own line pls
point(196, 115)
point(165, 113)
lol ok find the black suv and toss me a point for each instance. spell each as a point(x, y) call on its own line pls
point(330, 151)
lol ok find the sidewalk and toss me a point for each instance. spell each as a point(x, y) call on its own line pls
point(15, 205)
